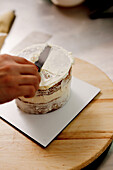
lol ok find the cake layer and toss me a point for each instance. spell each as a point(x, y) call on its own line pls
point(47, 98)
point(46, 105)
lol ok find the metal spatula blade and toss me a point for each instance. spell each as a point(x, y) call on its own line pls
point(42, 58)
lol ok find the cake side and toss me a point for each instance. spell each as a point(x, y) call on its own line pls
point(45, 102)
point(54, 88)
point(41, 108)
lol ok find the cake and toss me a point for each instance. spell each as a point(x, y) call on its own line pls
point(54, 88)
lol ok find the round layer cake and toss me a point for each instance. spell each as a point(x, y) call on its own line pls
point(54, 88)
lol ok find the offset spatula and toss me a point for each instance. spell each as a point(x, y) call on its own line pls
point(42, 58)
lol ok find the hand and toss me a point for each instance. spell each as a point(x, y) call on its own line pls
point(18, 77)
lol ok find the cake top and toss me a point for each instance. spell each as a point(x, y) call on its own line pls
point(56, 66)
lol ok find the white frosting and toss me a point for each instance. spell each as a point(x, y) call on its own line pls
point(41, 108)
point(56, 66)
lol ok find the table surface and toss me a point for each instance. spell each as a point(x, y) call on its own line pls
point(91, 40)
point(80, 143)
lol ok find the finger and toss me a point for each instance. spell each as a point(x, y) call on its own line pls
point(10, 93)
point(8, 81)
point(21, 60)
point(26, 90)
point(29, 80)
point(28, 69)
point(39, 77)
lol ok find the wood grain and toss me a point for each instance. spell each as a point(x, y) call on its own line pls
point(80, 143)
point(91, 74)
point(2, 39)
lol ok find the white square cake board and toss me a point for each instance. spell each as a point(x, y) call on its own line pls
point(44, 128)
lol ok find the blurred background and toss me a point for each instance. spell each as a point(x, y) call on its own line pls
point(86, 29)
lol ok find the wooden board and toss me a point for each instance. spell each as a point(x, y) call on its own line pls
point(80, 143)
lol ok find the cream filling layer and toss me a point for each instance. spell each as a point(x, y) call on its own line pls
point(48, 98)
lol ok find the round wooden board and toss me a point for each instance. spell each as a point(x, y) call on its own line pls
point(80, 143)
